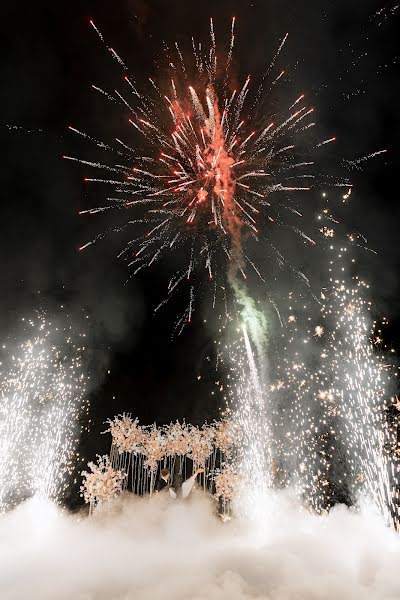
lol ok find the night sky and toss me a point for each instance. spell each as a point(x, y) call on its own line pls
point(50, 57)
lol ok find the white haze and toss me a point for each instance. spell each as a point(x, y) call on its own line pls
point(161, 549)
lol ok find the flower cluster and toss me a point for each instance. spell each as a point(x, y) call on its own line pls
point(201, 444)
point(226, 483)
point(154, 448)
point(224, 436)
point(127, 435)
point(103, 482)
point(177, 441)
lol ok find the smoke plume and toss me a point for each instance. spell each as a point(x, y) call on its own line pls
point(151, 550)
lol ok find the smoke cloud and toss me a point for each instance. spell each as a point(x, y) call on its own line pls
point(253, 318)
point(150, 550)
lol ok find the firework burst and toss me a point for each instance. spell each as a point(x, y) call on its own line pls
point(220, 168)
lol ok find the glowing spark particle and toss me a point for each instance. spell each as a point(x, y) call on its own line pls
point(327, 232)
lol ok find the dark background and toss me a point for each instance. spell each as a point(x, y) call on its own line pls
point(343, 53)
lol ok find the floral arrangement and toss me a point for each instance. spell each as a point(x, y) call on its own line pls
point(102, 482)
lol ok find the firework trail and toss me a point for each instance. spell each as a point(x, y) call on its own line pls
point(42, 390)
point(218, 171)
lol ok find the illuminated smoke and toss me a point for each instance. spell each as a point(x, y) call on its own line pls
point(253, 318)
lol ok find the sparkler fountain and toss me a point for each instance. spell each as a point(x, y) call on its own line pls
point(42, 386)
point(340, 443)
point(254, 457)
point(359, 379)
